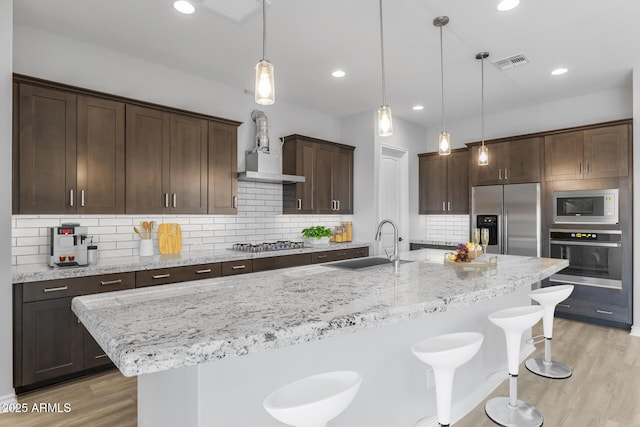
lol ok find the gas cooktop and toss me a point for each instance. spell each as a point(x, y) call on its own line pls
point(280, 245)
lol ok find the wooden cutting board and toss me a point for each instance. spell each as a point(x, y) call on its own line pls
point(169, 239)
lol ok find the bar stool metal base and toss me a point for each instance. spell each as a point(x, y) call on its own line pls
point(555, 370)
point(523, 415)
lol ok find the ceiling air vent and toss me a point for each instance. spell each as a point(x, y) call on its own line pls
point(512, 61)
point(236, 10)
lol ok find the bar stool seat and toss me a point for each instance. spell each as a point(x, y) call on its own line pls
point(445, 353)
point(509, 411)
point(315, 400)
point(548, 298)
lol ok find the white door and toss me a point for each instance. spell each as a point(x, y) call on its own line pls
point(394, 196)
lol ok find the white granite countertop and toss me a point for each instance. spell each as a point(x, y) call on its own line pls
point(158, 328)
point(39, 272)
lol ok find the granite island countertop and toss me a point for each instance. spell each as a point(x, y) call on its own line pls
point(154, 329)
point(39, 272)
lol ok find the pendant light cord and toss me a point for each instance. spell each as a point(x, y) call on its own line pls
point(482, 94)
point(442, 80)
point(384, 89)
point(264, 29)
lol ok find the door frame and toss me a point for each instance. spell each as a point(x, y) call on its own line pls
point(401, 155)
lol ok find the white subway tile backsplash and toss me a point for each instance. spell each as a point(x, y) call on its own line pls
point(259, 219)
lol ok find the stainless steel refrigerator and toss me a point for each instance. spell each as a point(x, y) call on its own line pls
point(512, 215)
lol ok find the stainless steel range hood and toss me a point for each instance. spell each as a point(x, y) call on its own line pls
point(262, 165)
point(266, 167)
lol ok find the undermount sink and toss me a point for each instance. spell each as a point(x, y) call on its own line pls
point(355, 264)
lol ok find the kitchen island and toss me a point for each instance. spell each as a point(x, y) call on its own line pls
point(207, 353)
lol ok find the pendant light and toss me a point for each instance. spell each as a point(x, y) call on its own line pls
point(385, 121)
point(265, 90)
point(483, 153)
point(444, 140)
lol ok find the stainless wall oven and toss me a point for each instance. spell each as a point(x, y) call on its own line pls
point(586, 207)
point(595, 257)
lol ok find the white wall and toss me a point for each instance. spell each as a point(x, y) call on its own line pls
point(6, 90)
point(591, 108)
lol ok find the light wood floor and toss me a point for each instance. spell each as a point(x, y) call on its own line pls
point(604, 390)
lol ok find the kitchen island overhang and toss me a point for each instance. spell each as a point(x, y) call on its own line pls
point(309, 319)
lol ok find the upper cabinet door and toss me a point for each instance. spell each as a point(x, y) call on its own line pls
point(299, 158)
point(342, 180)
point(432, 175)
point(188, 165)
point(100, 156)
point(147, 154)
point(325, 203)
point(47, 151)
point(564, 156)
point(458, 183)
point(522, 161)
point(223, 168)
point(490, 174)
point(606, 152)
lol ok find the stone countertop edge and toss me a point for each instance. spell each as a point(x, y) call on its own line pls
point(39, 272)
point(170, 326)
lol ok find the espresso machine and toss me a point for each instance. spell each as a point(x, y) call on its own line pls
point(68, 245)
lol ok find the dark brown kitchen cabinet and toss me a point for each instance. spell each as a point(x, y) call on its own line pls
point(592, 153)
point(444, 183)
point(286, 261)
point(328, 171)
point(94, 355)
point(334, 179)
point(299, 158)
point(100, 156)
point(516, 161)
point(230, 268)
point(166, 168)
point(46, 150)
point(338, 255)
point(162, 276)
point(223, 168)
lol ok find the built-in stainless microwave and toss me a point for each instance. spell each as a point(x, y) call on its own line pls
point(585, 207)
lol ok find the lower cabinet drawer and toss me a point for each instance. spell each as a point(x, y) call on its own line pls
point(163, 276)
point(272, 263)
point(73, 287)
point(230, 268)
point(360, 252)
point(326, 256)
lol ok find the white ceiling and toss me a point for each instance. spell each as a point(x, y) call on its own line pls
point(598, 40)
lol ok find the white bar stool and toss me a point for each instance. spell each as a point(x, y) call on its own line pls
point(548, 298)
point(315, 400)
point(445, 353)
point(509, 411)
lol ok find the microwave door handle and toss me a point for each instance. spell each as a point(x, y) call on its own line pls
point(597, 244)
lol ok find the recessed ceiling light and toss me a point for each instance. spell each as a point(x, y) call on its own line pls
point(183, 6)
point(418, 107)
point(338, 73)
point(505, 5)
point(559, 71)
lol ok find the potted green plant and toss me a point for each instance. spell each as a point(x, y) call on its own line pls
point(317, 235)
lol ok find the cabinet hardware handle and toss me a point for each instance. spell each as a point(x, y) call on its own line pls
point(505, 174)
point(299, 204)
point(71, 197)
point(61, 288)
point(587, 167)
point(100, 356)
point(161, 276)
point(238, 267)
point(322, 256)
point(166, 200)
point(604, 312)
point(444, 206)
point(359, 252)
point(449, 206)
point(565, 305)
point(500, 174)
point(208, 270)
point(175, 200)
point(341, 254)
point(338, 202)
point(110, 282)
point(579, 167)
point(235, 202)
point(82, 198)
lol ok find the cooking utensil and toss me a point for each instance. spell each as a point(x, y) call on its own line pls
point(138, 232)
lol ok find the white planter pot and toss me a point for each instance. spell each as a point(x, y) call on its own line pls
point(316, 242)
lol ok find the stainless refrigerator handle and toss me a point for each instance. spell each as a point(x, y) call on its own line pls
point(500, 235)
point(506, 231)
